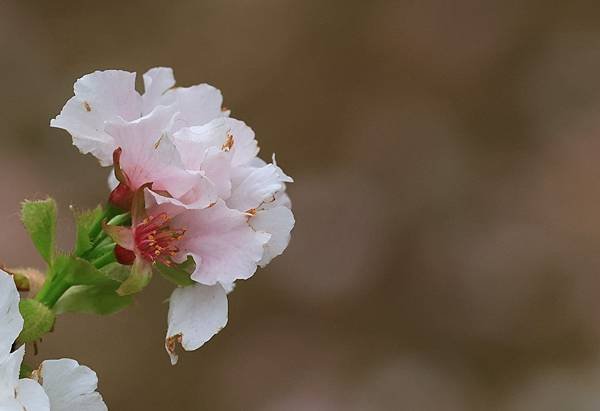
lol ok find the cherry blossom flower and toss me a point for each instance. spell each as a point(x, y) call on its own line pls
point(58, 385)
point(207, 194)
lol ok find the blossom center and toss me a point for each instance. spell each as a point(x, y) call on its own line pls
point(156, 241)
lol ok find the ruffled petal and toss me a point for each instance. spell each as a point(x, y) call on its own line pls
point(99, 97)
point(196, 314)
point(194, 142)
point(278, 222)
point(222, 243)
point(245, 147)
point(196, 105)
point(253, 186)
point(156, 82)
point(70, 386)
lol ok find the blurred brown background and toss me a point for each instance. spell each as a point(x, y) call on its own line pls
point(447, 198)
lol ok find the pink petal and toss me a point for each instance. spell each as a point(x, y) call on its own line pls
point(222, 243)
point(148, 154)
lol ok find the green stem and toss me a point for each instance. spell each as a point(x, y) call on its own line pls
point(120, 219)
point(51, 292)
point(108, 213)
point(104, 260)
point(99, 249)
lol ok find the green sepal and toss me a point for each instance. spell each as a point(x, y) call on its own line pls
point(39, 218)
point(85, 222)
point(38, 320)
point(141, 274)
point(116, 271)
point(87, 299)
point(178, 274)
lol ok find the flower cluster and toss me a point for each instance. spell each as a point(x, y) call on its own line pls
point(204, 210)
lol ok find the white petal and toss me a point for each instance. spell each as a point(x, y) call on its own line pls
point(279, 222)
point(11, 322)
point(202, 149)
point(253, 186)
point(99, 97)
point(196, 105)
point(10, 404)
point(281, 199)
point(196, 314)
point(222, 243)
point(156, 82)
point(32, 396)
point(245, 147)
point(10, 366)
point(217, 168)
point(70, 386)
point(194, 142)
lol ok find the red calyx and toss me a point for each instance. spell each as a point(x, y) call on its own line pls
point(121, 197)
point(124, 256)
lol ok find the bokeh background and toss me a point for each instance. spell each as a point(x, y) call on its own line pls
point(446, 254)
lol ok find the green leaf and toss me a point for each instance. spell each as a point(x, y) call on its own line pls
point(141, 274)
point(39, 218)
point(88, 299)
point(86, 221)
point(38, 320)
point(178, 274)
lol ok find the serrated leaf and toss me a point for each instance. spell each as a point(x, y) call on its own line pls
point(85, 221)
point(87, 299)
point(38, 320)
point(39, 218)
